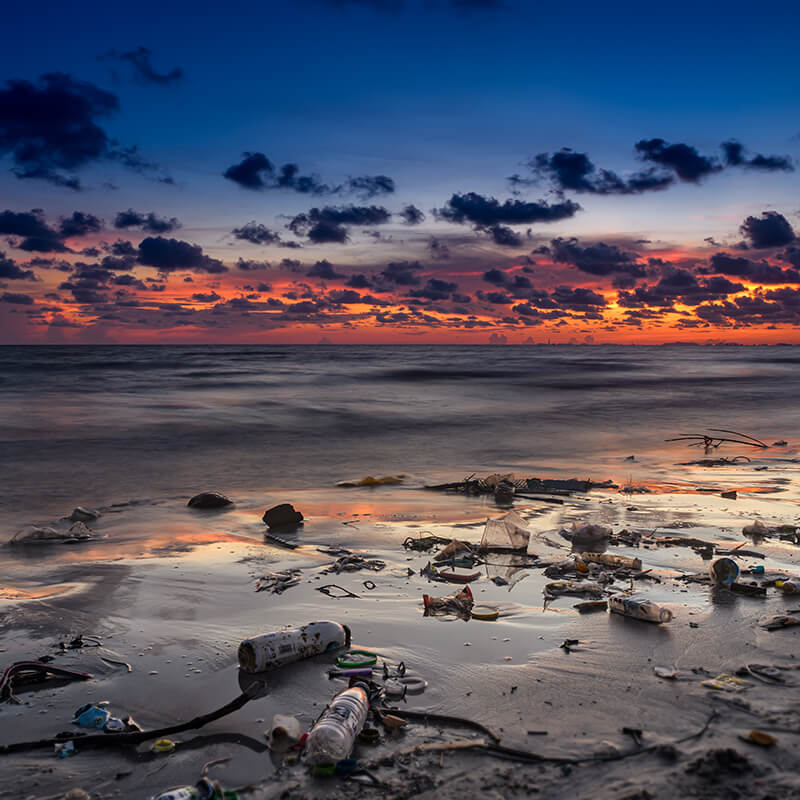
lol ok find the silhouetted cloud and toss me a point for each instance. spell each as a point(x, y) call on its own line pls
point(754, 271)
point(682, 159)
point(596, 259)
point(79, 224)
point(171, 255)
point(256, 233)
point(493, 217)
point(255, 171)
point(435, 289)
point(328, 224)
point(35, 235)
point(369, 186)
point(148, 222)
point(401, 273)
point(324, 270)
point(10, 271)
point(575, 172)
point(735, 157)
point(771, 230)
point(246, 265)
point(51, 129)
point(140, 60)
point(411, 215)
point(16, 299)
point(358, 281)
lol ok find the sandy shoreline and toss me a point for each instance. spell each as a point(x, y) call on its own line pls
point(171, 592)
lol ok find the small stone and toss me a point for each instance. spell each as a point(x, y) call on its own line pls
point(282, 515)
point(81, 514)
point(209, 500)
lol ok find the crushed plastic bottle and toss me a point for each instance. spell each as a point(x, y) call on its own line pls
point(282, 647)
point(334, 735)
point(638, 607)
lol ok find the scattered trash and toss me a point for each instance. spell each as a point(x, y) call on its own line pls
point(81, 514)
point(779, 621)
point(36, 535)
point(364, 672)
point(638, 607)
point(499, 580)
point(509, 534)
point(353, 563)
point(789, 587)
point(760, 738)
point(668, 673)
point(356, 658)
point(278, 582)
point(65, 749)
point(609, 560)
point(459, 604)
point(369, 585)
point(386, 480)
point(724, 571)
point(282, 647)
point(485, 612)
point(282, 516)
point(557, 588)
point(756, 530)
point(330, 588)
point(333, 736)
point(725, 683)
point(28, 671)
point(284, 733)
point(413, 685)
point(750, 589)
point(90, 716)
point(206, 500)
point(454, 549)
point(710, 442)
point(569, 644)
point(587, 535)
point(163, 746)
point(423, 543)
point(590, 606)
point(729, 495)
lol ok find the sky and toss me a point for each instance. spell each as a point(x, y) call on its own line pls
point(399, 171)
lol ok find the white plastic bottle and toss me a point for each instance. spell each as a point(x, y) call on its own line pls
point(333, 737)
point(638, 607)
point(282, 647)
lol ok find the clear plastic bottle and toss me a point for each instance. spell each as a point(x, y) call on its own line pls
point(638, 607)
point(334, 735)
point(612, 560)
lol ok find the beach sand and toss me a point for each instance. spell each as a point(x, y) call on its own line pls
point(171, 591)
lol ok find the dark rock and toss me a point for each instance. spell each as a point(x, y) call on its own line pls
point(282, 516)
point(719, 762)
point(81, 514)
point(209, 500)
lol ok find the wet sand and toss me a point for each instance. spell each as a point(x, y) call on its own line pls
point(171, 591)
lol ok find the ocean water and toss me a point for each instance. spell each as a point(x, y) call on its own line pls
point(103, 424)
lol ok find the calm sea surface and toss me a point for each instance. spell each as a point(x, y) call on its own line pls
point(97, 425)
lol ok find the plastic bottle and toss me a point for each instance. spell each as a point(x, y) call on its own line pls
point(282, 647)
point(334, 735)
point(203, 790)
point(638, 607)
point(611, 560)
point(790, 587)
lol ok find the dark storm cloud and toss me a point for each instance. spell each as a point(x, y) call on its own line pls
point(358, 282)
point(328, 224)
point(16, 299)
point(682, 159)
point(171, 255)
point(369, 186)
point(51, 129)
point(140, 60)
point(485, 212)
point(148, 222)
point(753, 271)
point(576, 299)
point(10, 271)
point(573, 171)
point(256, 233)
point(679, 285)
point(735, 157)
point(34, 233)
point(596, 259)
point(792, 256)
point(79, 224)
point(411, 215)
point(323, 270)
point(770, 230)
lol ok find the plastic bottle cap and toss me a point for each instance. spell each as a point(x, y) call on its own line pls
point(163, 746)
